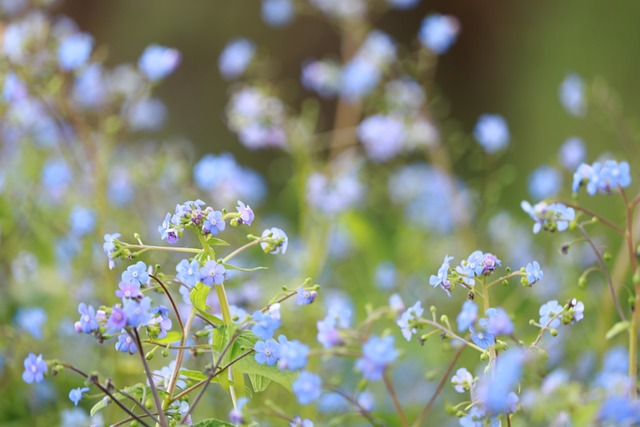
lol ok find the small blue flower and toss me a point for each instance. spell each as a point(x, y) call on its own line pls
point(246, 213)
point(534, 273)
point(214, 223)
point(328, 333)
point(277, 13)
point(572, 153)
point(265, 325)
point(497, 322)
point(88, 321)
point(157, 62)
point(412, 313)
point(129, 290)
point(188, 272)
point(550, 217)
point(212, 273)
point(403, 4)
point(442, 278)
point(136, 273)
point(322, 77)
point(126, 344)
point(623, 411)
point(293, 354)
point(572, 95)
point(305, 296)
point(299, 422)
point(109, 247)
point(471, 267)
point(383, 137)
point(267, 352)
point(495, 390)
point(117, 320)
point(307, 387)
point(74, 50)
point(138, 313)
point(378, 353)
point(235, 415)
point(75, 395)
point(467, 316)
point(482, 339)
point(548, 311)
point(235, 58)
point(544, 182)
point(492, 132)
point(34, 368)
point(169, 229)
point(439, 32)
point(147, 114)
point(31, 319)
point(82, 221)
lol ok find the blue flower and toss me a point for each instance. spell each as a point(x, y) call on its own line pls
point(235, 415)
point(82, 221)
point(621, 411)
point(117, 320)
point(138, 313)
point(439, 32)
point(492, 132)
point(212, 273)
point(602, 177)
point(496, 388)
point(442, 278)
point(572, 153)
point(299, 422)
point(214, 223)
point(467, 315)
point(548, 311)
point(462, 381)
point(246, 213)
point(129, 290)
point(267, 352)
point(31, 319)
point(136, 273)
point(383, 136)
point(126, 344)
point(188, 272)
point(497, 322)
point(322, 77)
point(90, 87)
point(277, 13)
point(88, 321)
point(482, 339)
point(534, 273)
point(550, 217)
point(307, 387)
point(328, 333)
point(403, 4)
point(235, 57)
point(412, 313)
point(544, 182)
point(147, 114)
point(386, 275)
point(305, 296)
point(34, 368)
point(572, 95)
point(74, 50)
point(265, 325)
point(109, 247)
point(293, 354)
point(75, 395)
point(169, 230)
point(378, 353)
point(157, 62)
point(471, 267)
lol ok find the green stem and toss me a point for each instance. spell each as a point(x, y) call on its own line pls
point(176, 370)
point(394, 397)
point(162, 248)
point(452, 334)
point(635, 317)
point(241, 249)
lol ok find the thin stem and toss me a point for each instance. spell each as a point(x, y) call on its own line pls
point(425, 412)
point(394, 397)
point(173, 304)
point(605, 271)
point(595, 215)
point(635, 316)
point(241, 249)
point(452, 334)
point(355, 403)
point(174, 375)
point(162, 248)
point(507, 277)
point(136, 337)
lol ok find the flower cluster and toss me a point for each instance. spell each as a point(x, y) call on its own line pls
point(549, 217)
point(602, 177)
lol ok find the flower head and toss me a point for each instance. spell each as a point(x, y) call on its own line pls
point(188, 272)
point(265, 324)
point(442, 278)
point(246, 213)
point(293, 354)
point(467, 316)
point(157, 62)
point(462, 381)
point(412, 313)
point(213, 273)
point(305, 296)
point(34, 368)
point(88, 321)
point(307, 387)
point(550, 217)
point(548, 311)
point(276, 242)
point(75, 395)
point(439, 32)
point(534, 273)
point(492, 132)
point(267, 352)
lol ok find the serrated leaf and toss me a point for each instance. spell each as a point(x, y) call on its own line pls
point(259, 383)
point(172, 336)
point(235, 267)
point(213, 422)
point(135, 390)
point(617, 329)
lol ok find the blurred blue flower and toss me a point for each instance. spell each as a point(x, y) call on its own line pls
point(277, 13)
point(378, 353)
point(404, 96)
point(495, 387)
point(544, 182)
point(307, 387)
point(386, 275)
point(82, 221)
point(138, 313)
point(90, 88)
point(572, 95)
point(623, 411)
point(412, 313)
point(497, 322)
point(467, 316)
point(34, 368)
point(403, 4)
point(235, 58)
point(75, 395)
point(147, 114)
point(438, 32)
point(157, 62)
point(337, 191)
point(383, 137)
point(31, 320)
point(341, 9)
point(492, 132)
point(548, 311)
point(482, 339)
point(265, 325)
point(572, 153)
point(74, 50)
point(551, 217)
point(293, 354)
point(55, 178)
point(322, 77)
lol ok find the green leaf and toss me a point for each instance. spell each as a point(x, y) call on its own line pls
point(235, 267)
point(198, 298)
point(136, 391)
point(258, 382)
point(617, 328)
point(217, 242)
point(171, 337)
point(213, 422)
point(193, 375)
